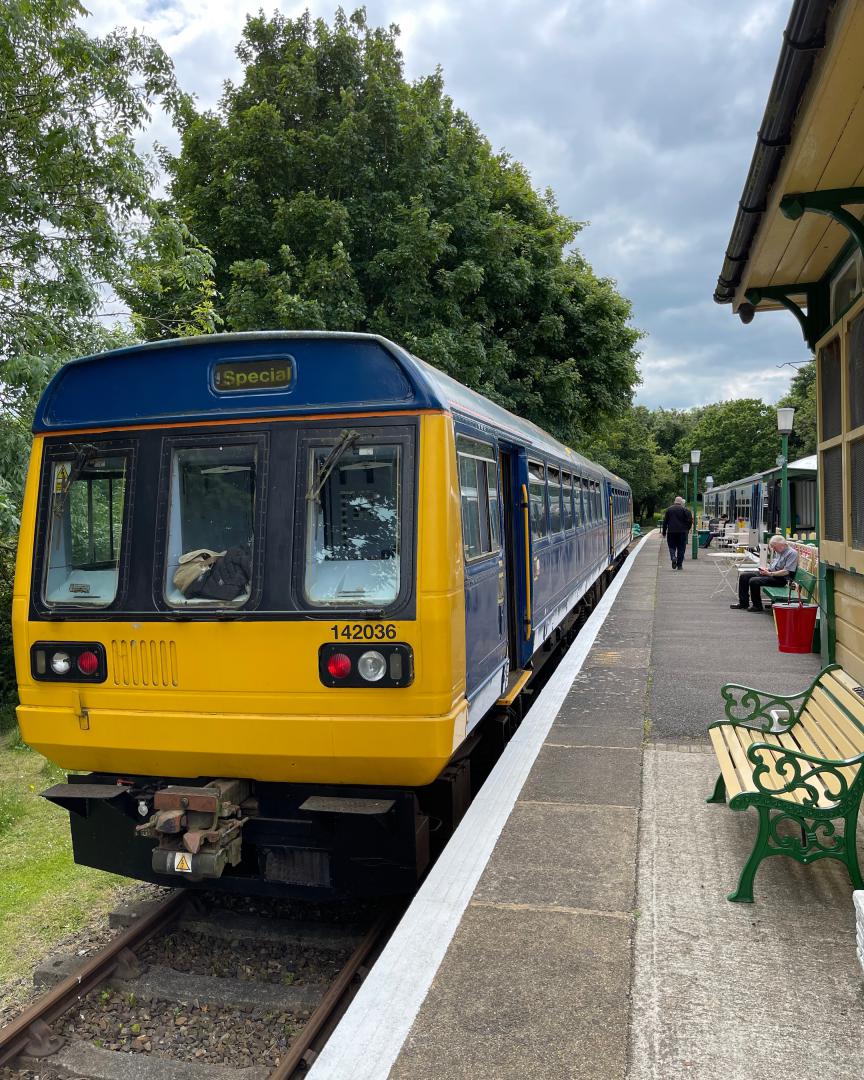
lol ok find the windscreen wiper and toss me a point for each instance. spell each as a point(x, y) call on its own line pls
point(346, 441)
point(84, 455)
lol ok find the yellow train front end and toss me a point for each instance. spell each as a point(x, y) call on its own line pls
point(245, 636)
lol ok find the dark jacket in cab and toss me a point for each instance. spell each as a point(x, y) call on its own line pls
point(677, 519)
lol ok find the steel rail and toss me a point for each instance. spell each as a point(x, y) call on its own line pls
point(302, 1044)
point(99, 967)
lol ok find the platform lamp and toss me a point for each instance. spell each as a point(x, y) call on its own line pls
point(784, 426)
point(695, 457)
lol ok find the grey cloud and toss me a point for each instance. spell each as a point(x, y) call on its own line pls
point(641, 114)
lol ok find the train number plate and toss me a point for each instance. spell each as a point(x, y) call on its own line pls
point(364, 632)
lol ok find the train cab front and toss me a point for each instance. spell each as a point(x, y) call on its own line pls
point(244, 639)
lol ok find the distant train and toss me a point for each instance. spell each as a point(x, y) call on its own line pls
point(756, 499)
point(274, 589)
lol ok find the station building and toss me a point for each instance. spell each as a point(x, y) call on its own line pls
point(797, 243)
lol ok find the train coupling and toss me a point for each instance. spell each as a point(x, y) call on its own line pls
point(199, 829)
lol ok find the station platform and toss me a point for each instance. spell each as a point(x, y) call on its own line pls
point(577, 925)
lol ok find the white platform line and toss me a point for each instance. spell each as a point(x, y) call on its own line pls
point(367, 1041)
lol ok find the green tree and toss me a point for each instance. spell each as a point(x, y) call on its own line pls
point(74, 195)
point(334, 194)
point(737, 438)
point(628, 447)
point(801, 396)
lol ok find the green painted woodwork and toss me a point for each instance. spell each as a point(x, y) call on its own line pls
point(832, 203)
point(826, 592)
point(811, 320)
point(814, 833)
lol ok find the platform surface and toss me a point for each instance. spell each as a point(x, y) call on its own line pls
point(595, 941)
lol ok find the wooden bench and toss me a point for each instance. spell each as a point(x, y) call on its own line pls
point(780, 593)
point(798, 760)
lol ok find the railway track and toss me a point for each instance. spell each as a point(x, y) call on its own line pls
point(194, 991)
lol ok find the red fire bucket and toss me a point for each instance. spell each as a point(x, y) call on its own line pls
point(795, 625)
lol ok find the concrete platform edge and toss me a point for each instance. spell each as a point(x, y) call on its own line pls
point(373, 1030)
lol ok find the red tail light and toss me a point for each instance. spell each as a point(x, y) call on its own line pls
point(339, 665)
point(88, 663)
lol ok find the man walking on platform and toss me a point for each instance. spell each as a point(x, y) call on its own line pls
point(781, 570)
point(677, 522)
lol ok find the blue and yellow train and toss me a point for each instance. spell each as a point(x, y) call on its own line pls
point(271, 588)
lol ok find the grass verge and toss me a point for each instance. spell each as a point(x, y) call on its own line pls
point(44, 896)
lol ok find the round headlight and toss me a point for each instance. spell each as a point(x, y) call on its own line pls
point(61, 663)
point(372, 666)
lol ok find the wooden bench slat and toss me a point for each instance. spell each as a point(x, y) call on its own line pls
point(838, 729)
point(842, 689)
point(724, 760)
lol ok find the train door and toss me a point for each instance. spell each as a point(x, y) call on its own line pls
point(486, 633)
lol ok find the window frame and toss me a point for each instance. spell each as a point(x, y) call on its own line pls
point(53, 452)
point(839, 552)
point(535, 537)
point(203, 441)
point(567, 500)
point(316, 434)
point(494, 549)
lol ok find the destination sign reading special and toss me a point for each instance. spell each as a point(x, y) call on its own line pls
point(275, 374)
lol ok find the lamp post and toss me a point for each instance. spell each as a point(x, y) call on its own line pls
point(695, 457)
point(685, 468)
point(784, 426)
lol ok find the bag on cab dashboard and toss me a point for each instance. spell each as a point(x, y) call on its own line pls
point(225, 575)
point(192, 566)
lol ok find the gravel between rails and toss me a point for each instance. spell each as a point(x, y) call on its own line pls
point(197, 1031)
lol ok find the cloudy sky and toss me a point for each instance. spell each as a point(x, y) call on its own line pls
point(640, 114)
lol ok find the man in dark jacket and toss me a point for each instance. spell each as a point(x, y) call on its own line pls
point(677, 522)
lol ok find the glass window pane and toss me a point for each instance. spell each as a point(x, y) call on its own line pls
point(844, 289)
point(829, 389)
point(88, 498)
point(831, 465)
point(470, 507)
point(211, 525)
point(554, 488)
point(855, 388)
point(475, 448)
point(494, 511)
point(567, 496)
point(352, 526)
point(537, 499)
point(856, 461)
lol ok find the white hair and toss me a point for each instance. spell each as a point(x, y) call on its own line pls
point(774, 540)
point(679, 499)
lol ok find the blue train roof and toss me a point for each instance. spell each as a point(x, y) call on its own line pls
point(266, 373)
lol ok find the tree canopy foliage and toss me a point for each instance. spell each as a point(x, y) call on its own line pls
point(334, 194)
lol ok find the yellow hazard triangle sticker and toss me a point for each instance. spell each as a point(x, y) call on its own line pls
point(182, 863)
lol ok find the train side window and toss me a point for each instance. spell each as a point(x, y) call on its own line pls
point(553, 477)
point(537, 499)
point(211, 518)
point(587, 510)
point(577, 501)
point(478, 483)
point(88, 505)
point(567, 494)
